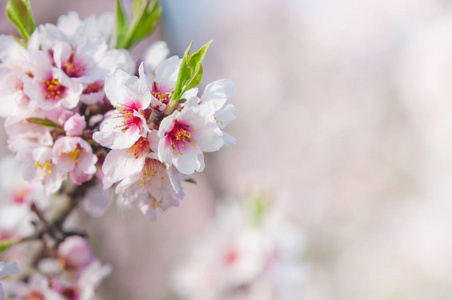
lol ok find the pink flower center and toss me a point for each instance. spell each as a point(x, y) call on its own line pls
point(128, 113)
point(72, 67)
point(180, 136)
point(53, 89)
point(139, 149)
point(94, 87)
point(161, 93)
point(153, 169)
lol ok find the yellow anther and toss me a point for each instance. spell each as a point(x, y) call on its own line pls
point(74, 155)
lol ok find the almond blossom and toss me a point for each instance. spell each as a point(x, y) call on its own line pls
point(125, 125)
point(16, 197)
point(75, 156)
point(37, 287)
point(75, 125)
point(156, 186)
point(148, 143)
point(185, 135)
point(50, 87)
point(41, 168)
point(244, 255)
point(163, 80)
point(213, 100)
point(119, 164)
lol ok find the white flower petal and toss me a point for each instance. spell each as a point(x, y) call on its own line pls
point(154, 55)
point(118, 165)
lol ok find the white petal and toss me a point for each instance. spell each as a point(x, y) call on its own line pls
point(61, 53)
point(209, 137)
point(118, 140)
point(167, 72)
point(8, 269)
point(228, 139)
point(225, 115)
point(190, 161)
point(155, 54)
point(114, 86)
point(68, 23)
point(118, 165)
point(165, 153)
point(118, 59)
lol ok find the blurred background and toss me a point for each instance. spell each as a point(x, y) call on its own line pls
point(344, 120)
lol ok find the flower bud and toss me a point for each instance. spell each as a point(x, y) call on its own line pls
point(75, 252)
point(74, 125)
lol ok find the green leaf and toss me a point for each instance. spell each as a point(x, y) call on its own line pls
point(137, 4)
point(5, 244)
point(195, 80)
point(20, 41)
point(183, 76)
point(190, 73)
point(19, 12)
point(121, 25)
point(196, 58)
point(144, 24)
point(258, 209)
point(190, 180)
point(42, 122)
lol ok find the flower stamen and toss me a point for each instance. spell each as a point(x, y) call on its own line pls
point(46, 167)
point(53, 89)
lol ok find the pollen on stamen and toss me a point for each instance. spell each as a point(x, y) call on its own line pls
point(74, 155)
point(218, 121)
point(53, 89)
point(72, 67)
point(152, 168)
point(140, 148)
point(161, 93)
point(127, 113)
point(46, 167)
point(94, 87)
point(180, 137)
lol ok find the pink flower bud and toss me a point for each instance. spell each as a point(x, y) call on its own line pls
point(76, 252)
point(63, 116)
point(74, 125)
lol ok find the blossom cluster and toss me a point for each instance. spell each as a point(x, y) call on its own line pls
point(17, 196)
point(246, 253)
point(76, 109)
point(86, 121)
point(50, 92)
point(73, 273)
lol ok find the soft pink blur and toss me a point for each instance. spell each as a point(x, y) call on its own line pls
point(344, 118)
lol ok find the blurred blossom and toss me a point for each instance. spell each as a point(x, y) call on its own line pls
point(16, 198)
point(75, 273)
point(249, 252)
point(7, 270)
